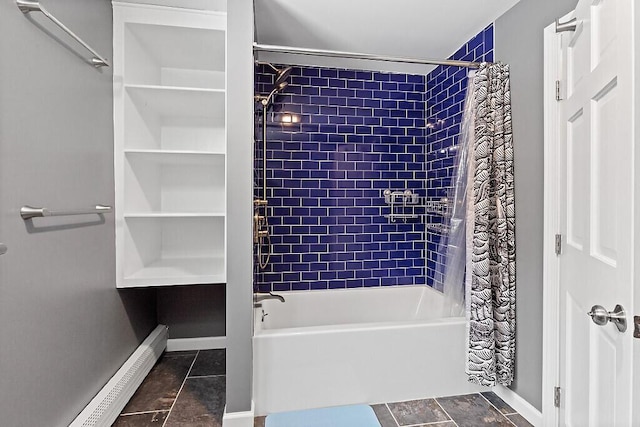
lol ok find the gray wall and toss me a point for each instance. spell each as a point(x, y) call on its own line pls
point(239, 204)
point(192, 311)
point(519, 42)
point(64, 328)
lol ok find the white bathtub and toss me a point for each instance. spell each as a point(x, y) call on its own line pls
point(371, 345)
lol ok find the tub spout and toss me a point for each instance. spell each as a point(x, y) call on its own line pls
point(261, 297)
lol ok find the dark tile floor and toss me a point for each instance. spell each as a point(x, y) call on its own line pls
point(183, 389)
point(186, 389)
point(470, 410)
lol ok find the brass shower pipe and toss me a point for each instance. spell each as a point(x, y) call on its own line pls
point(261, 222)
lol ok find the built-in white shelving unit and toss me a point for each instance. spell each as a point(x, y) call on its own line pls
point(170, 145)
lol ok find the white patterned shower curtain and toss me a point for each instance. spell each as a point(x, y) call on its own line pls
point(490, 294)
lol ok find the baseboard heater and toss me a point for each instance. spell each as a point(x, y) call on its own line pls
point(109, 402)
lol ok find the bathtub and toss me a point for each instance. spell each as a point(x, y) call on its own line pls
point(366, 345)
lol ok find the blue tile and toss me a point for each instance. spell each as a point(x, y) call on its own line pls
point(372, 282)
point(310, 72)
point(337, 83)
point(359, 133)
point(346, 74)
point(355, 283)
point(337, 284)
point(317, 285)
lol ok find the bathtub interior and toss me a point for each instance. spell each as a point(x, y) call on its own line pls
point(350, 306)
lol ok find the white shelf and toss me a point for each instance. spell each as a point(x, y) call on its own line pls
point(174, 183)
point(175, 56)
point(176, 157)
point(170, 144)
point(174, 119)
point(178, 101)
point(173, 249)
point(173, 215)
point(166, 153)
point(179, 271)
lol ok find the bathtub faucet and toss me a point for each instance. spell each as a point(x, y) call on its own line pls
point(261, 297)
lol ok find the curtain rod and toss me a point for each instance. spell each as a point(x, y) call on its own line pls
point(366, 56)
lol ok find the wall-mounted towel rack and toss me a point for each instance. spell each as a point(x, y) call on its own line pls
point(28, 212)
point(26, 6)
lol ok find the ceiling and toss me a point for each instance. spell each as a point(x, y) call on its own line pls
point(411, 28)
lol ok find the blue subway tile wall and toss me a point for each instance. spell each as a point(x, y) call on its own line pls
point(445, 95)
point(336, 140)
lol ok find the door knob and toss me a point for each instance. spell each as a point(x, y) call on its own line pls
point(601, 316)
point(3, 249)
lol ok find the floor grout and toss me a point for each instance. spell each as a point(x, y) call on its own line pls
point(143, 412)
point(430, 424)
point(392, 415)
point(445, 411)
point(181, 387)
point(497, 409)
point(205, 376)
point(510, 420)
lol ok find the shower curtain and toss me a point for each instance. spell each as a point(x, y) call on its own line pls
point(479, 265)
point(452, 249)
point(491, 297)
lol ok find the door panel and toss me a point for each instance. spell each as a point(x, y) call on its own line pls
point(604, 146)
point(577, 177)
point(577, 385)
point(603, 388)
point(604, 28)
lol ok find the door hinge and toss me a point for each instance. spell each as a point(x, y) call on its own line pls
point(556, 397)
point(558, 91)
point(558, 244)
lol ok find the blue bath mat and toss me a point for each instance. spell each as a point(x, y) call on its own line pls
point(340, 416)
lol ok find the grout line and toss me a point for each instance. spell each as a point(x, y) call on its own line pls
point(431, 423)
point(445, 411)
point(180, 390)
point(511, 421)
point(392, 415)
point(143, 412)
point(206, 376)
point(499, 411)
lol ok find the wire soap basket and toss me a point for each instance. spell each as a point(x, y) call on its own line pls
point(402, 204)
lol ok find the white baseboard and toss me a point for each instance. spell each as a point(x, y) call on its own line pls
point(200, 343)
point(524, 408)
point(238, 419)
point(105, 407)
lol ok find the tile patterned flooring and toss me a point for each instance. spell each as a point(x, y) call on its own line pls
point(187, 389)
point(470, 410)
point(183, 389)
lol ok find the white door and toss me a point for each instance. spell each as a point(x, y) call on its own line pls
point(596, 215)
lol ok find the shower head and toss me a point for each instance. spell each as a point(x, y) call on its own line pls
point(282, 75)
point(281, 86)
point(278, 88)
